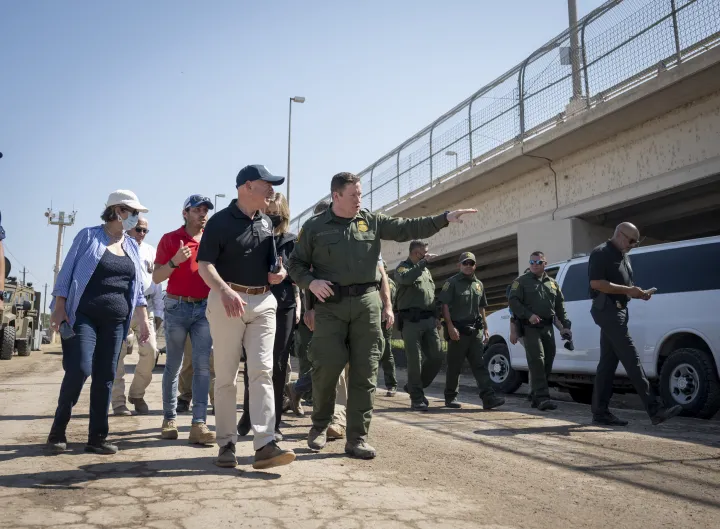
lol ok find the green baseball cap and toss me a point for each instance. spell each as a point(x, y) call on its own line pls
point(468, 256)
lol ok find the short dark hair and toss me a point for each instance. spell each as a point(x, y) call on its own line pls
point(109, 214)
point(417, 244)
point(321, 207)
point(538, 253)
point(340, 180)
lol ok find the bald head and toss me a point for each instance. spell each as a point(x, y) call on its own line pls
point(626, 236)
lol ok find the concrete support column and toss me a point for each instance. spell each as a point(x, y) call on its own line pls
point(559, 239)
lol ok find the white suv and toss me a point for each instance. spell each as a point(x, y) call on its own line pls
point(677, 332)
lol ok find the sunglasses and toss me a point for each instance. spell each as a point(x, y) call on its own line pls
point(630, 240)
point(537, 262)
point(468, 263)
point(142, 230)
point(131, 211)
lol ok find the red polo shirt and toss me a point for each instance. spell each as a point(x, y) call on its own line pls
point(184, 280)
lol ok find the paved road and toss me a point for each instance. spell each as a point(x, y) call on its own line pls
point(511, 468)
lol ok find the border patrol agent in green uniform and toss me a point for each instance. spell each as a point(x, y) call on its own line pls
point(388, 360)
point(342, 246)
point(535, 300)
point(418, 322)
point(464, 302)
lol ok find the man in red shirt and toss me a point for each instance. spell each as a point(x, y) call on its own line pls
point(185, 304)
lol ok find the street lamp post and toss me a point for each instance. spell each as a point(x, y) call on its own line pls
point(453, 153)
point(221, 195)
point(296, 99)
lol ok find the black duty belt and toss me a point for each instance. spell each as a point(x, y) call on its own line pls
point(417, 313)
point(544, 322)
point(357, 290)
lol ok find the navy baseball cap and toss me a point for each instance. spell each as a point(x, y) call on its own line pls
point(194, 201)
point(250, 173)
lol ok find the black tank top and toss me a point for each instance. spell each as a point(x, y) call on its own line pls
point(107, 294)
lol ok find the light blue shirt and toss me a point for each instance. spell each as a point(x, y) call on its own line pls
point(80, 263)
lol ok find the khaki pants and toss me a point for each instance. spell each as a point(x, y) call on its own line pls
point(186, 375)
point(341, 399)
point(143, 369)
point(255, 330)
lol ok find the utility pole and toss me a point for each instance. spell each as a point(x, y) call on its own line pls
point(24, 270)
point(61, 220)
point(42, 319)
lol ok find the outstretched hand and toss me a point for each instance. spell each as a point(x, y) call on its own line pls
point(454, 216)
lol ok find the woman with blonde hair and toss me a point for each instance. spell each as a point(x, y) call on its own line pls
point(287, 316)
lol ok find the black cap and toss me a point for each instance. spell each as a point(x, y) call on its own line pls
point(250, 173)
point(194, 201)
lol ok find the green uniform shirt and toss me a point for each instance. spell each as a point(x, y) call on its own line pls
point(416, 288)
point(541, 296)
point(465, 297)
point(346, 251)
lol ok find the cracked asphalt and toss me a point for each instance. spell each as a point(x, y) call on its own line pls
point(513, 467)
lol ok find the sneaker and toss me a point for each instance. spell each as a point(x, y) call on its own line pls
point(335, 431)
point(453, 404)
point(183, 406)
point(141, 407)
point(169, 429)
point(546, 405)
point(492, 401)
point(101, 447)
point(271, 455)
point(226, 456)
point(427, 402)
point(56, 444)
point(287, 404)
point(663, 414)
point(608, 420)
point(360, 449)
point(200, 434)
point(419, 406)
point(121, 411)
point(391, 392)
point(294, 400)
point(317, 438)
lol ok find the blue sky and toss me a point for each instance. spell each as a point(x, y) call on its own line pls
point(173, 98)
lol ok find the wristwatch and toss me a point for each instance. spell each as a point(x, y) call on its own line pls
point(172, 265)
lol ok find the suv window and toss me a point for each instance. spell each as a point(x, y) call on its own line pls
point(686, 269)
point(576, 286)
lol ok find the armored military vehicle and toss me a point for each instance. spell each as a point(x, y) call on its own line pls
point(19, 319)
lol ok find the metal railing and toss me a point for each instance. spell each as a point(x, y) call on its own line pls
point(622, 43)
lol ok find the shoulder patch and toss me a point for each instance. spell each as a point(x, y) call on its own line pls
point(402, 269)
point(478, 287)
point(514, 285)
point(446, 286)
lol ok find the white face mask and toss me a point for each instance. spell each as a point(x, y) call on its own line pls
point(130, 222)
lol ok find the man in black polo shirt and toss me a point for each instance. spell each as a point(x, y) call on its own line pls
point(237, 260)
point(611, 288)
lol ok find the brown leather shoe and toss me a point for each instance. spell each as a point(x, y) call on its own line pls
point(271, 455)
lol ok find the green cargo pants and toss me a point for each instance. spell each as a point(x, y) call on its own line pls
point(424, 355)
point(388, 361)
point(540, 351)
point(347, 331)
point(472, 348)
point(302, 345)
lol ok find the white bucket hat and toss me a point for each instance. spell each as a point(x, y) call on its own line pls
point(125, 197)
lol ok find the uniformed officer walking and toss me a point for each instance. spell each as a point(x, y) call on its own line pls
point(463, 307)
point(418, 322)
point(342, 246)
point(535, 300)
point(611, 288)
point(388, 360)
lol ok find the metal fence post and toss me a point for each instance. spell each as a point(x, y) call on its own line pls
point(584, 59)
point(432, 129)
point(372, 170)
point(470, 131)
point(521, 96)
point(676, 31)
point(397, 166)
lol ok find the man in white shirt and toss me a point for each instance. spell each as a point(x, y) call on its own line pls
point(148, 350)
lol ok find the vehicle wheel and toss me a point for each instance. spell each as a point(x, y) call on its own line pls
point(582, 394)
point(23, 347)
point(502, 376)
point(7, 347)
point(688, 378)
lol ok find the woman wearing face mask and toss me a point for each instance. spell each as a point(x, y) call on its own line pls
point(287, 316)
point(97, 290)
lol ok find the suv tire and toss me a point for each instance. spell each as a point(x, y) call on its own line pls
point(688, 378)
point(23, 347)
point(7, 346)
point(502, 376)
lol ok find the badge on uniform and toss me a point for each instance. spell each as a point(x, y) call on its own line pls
point(362, 226)
point(402, 270)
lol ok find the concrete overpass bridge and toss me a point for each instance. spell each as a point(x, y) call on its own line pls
point(555, 166)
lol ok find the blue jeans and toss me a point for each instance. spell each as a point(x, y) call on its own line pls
point(94, 350)
point(183, 318)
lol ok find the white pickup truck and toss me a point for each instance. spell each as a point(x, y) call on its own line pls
point(677, 332)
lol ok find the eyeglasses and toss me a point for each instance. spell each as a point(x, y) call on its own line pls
point(142, 230)
point(631, 240)
point(468, 263)
point(537, 262)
